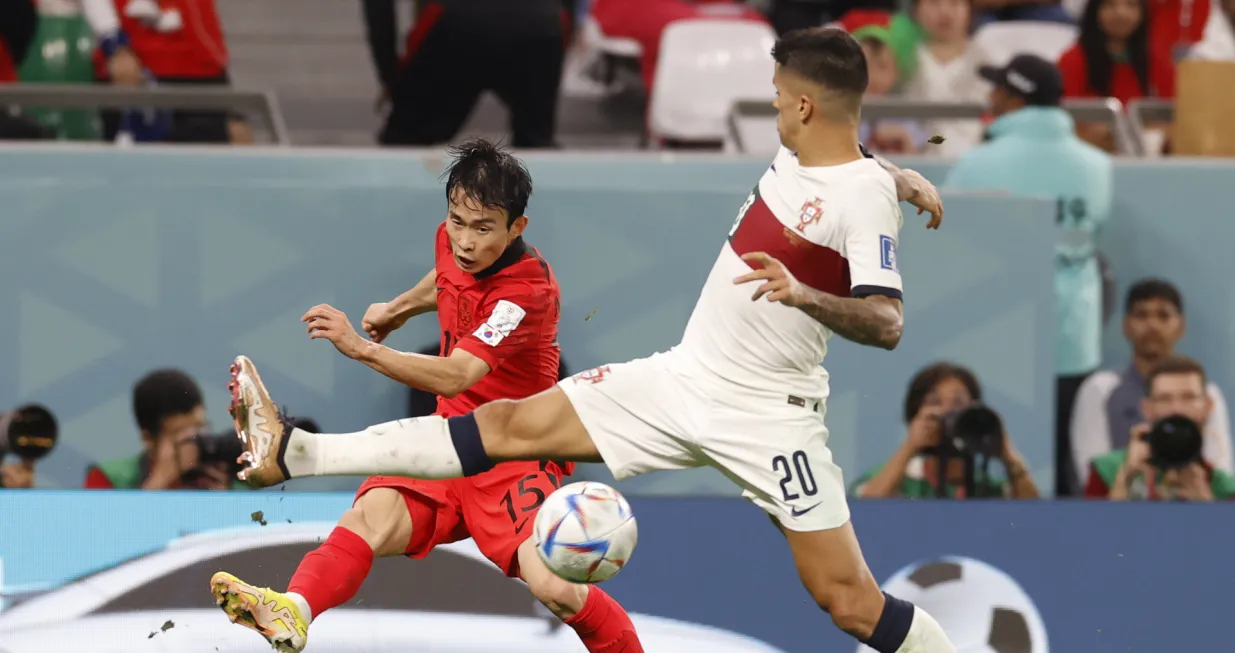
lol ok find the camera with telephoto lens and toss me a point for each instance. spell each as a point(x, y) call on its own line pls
point(28, 432)
point(215, 449)
point(973, 435)
point(1174, 443)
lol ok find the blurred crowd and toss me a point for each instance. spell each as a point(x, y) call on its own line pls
point(430, 76)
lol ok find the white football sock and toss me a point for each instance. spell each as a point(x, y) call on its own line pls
point(302, 605)
point(418, 448)
point(925, 635)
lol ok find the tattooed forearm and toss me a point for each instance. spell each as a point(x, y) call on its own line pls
point(904, 189)
point(875, 321)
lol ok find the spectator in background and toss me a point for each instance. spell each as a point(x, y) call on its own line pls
point(141, 43)
point(1109, 403)
point(946, 69)
point(913, 472)
point(18, 22)
point(1176, 387)
point(1218, 41)
point(170, 413)
point(1175, 25)
point(1112, 58)
point(885, 136)
point(456, 50)
point(1033, 151)
point(421, 403)
point(788, 15)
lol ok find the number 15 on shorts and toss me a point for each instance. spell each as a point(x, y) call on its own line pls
point(797, 479)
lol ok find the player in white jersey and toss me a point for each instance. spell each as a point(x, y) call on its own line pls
point(812, 253)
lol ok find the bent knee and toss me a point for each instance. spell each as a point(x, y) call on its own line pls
point(380, 517)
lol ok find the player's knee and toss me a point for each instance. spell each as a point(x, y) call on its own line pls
point(500, 428)
point(380, 517)
point(562, 598)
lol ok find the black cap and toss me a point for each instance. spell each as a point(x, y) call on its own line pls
point(1031, 78)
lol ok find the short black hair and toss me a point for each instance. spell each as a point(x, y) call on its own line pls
point(487, 173)
point(1175, 365)
point(826, 56)
point(1147, 289)
point(932, 375)
point(162, 394)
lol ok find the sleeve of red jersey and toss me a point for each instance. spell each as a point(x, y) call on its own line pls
point(512, 321)
point(872, 222)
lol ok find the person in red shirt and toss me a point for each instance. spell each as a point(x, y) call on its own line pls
point(498, 305)
point(1112, 58)
point(165, 42)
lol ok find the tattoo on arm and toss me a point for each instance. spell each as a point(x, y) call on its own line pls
point(875, 321)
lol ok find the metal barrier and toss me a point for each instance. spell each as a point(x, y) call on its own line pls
point(86, 96)
point(1143, 111)
point(1106, 110)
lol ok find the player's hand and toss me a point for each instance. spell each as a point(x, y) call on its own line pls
point(326, 321)
point(912, 187)
point(778, 283)
point(380, 320)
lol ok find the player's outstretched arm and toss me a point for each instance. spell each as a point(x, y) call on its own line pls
point(912, 187)
point(875, 320)
point(445, 376)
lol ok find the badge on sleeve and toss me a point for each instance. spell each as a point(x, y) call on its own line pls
point(887, 253)
point(504, 319)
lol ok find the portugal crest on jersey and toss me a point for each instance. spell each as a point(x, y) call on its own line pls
point(811, 212)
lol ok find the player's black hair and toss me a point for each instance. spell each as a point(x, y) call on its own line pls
point(1147, 289)
point(826, 56)
point(487, 173)
point(932, 375)
point(162, 394)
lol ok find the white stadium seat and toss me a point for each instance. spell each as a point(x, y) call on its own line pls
point(703, 67)
point(1000, 41)
point(595, 39)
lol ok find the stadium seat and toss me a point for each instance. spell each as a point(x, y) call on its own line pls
point(703, 68)
point(1002, 40)
point(608, 45)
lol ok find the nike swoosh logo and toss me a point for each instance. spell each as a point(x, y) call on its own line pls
point(798, 513)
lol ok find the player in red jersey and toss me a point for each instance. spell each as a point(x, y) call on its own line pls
point(498, 304)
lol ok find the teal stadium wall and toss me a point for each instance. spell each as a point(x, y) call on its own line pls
point(115, 263)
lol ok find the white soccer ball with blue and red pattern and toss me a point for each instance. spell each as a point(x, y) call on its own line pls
point(585, 532)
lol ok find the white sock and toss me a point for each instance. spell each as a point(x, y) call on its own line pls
point(925, 635)
point(303, 605)
point(418, 448)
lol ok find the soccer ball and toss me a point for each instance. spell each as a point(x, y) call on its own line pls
point(981, 608)
point(585, 532)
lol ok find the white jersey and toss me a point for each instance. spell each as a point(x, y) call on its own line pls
point(835, 228)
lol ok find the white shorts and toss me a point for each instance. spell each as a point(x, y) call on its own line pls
point(650, 414)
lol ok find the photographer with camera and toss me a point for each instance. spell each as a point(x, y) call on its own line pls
point(1164, 459)
point(951, 443)
point(178, 451)
point(27, 433)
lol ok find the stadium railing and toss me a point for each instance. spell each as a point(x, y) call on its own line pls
point(1105, 110)
point(1144, 111)
point(84, 96)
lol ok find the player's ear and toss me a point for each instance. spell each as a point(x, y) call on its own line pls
point(517, 227)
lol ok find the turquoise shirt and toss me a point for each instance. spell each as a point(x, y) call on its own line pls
point(1034, 151)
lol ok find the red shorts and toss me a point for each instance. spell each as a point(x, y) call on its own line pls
point(496, 508)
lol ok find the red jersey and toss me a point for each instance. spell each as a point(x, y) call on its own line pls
point(1124, 84)
point(506, 316)
point(196, 50)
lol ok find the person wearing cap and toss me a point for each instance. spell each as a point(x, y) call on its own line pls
point(1032, 149)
